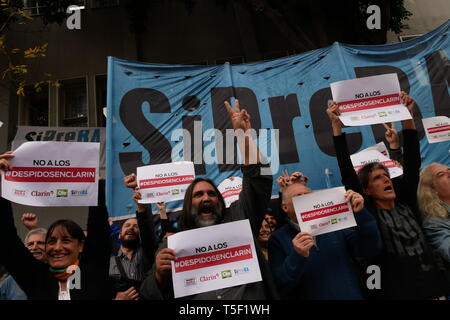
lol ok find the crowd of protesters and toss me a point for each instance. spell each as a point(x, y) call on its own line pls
point(403, 227)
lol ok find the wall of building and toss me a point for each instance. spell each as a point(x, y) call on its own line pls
point(427, 16)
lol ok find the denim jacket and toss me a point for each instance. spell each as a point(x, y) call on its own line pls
point(437, 231)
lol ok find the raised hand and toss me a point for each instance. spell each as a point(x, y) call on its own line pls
point(136, 197)
point(334, 113)
point(407, 101)
point(391, 135)
point(130, 181)
point(30, 220)
point(240, 119)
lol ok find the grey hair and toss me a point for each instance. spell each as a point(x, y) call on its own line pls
point(35, 231)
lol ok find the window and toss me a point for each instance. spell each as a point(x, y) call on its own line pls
point(35, 7)
point(100, 98)
point(73, 102)
point(32, 7)
point(35, 106)
point(104, 3)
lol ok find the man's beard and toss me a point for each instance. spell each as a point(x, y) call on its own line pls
point(206, 221)
point(131, 244)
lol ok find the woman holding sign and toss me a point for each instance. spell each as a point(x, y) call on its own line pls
point(77, 266)
point(408, 269)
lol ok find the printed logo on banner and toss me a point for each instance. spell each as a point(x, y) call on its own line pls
point(313, 226)
point(190, 282)
point(20, 193)
point(62, 193)
point(79, 192)
point(175, 191)
point(382, 114)
point(41, 193)
point(244, 270)
point(334, 221)
point(209, 278)
point(226, 274)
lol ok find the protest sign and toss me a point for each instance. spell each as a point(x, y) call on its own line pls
point(212, 258)
point(53, 174)
point(165, 182)
point(437, 129)
point(230, 188)
point(380, 147)
point(66, 134)
point(362, 158)
point(323, 211)
point(369, 100)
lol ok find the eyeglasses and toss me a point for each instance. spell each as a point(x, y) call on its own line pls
point(31, 243)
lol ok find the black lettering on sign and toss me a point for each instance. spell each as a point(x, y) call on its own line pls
point(378, 129)
point(438, 67)
point(143, 131)
point(283, 111)
point(188, 124)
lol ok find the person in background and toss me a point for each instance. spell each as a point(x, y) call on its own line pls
point(433, 196)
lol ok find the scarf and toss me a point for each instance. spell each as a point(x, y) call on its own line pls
point(62, 274)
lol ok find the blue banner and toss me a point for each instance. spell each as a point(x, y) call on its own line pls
point(150, 104)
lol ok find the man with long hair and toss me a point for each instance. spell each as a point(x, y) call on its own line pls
point(204, 206)
point(408, 268)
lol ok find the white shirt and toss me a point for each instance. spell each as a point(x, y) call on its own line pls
point(63, 295)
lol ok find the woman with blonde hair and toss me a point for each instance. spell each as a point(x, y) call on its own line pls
point(433, 195)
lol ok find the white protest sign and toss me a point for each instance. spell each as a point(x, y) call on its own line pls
point(323, 211)
point(380, 147)
point(369, 100)
point(362, 158)
point(66, 134)
point(214, 257)
point(437, 129)
point(165, 182)
point(53, 174)
point(230, 188)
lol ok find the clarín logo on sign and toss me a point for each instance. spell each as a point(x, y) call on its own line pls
point(62, 193)
point(42, 193)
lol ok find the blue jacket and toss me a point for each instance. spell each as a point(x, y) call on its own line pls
point(10, 290)
point(328, 273)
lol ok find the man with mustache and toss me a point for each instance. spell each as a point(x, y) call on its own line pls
point(35, 243)
point(204, 206)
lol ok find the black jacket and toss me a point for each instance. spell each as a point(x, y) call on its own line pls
point(34, 277)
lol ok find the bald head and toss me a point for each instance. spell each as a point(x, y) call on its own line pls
point(293, 190)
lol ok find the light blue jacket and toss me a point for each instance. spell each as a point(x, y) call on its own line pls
point(10, 290)
point(437, 231)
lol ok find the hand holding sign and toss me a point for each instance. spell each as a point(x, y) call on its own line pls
point(407, 101)
point(130, 181)
point(164, 265)
point(356, 200)
point(4, 163)
point(302, 242)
